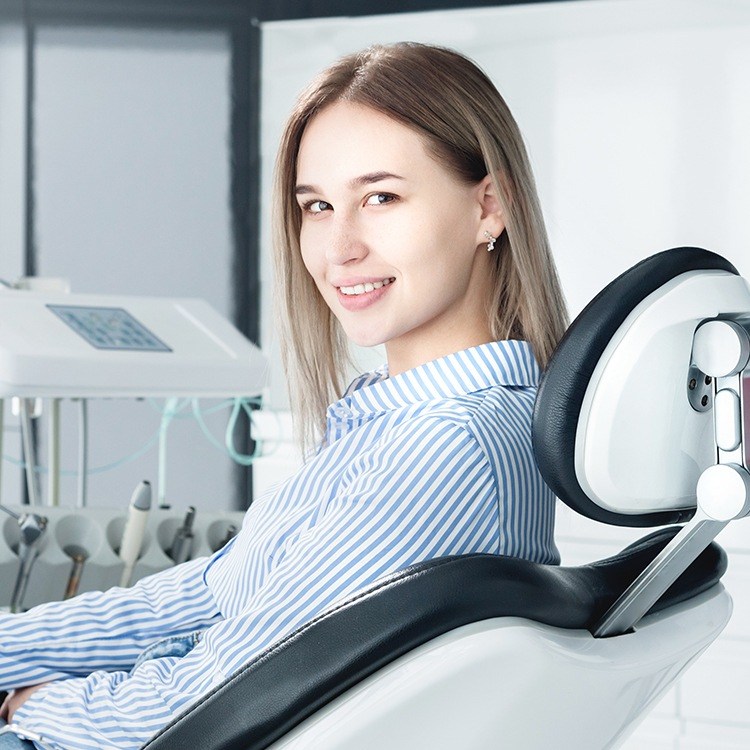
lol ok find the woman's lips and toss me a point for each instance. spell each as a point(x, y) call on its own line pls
point(354, 297)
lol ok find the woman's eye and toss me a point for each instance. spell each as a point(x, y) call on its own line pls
point(317, 207)
point(379, 199)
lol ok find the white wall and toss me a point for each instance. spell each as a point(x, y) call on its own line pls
point(636, 115)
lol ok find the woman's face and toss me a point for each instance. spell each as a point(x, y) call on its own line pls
point(394, 242)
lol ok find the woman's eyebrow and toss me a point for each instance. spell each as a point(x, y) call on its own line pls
point(365, 179)
point(370, 177)
point(302, 189)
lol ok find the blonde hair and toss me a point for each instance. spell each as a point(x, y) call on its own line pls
point(469, 129)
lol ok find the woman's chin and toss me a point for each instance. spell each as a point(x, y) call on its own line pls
point(365, 338)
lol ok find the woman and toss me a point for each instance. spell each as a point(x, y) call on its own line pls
point(405, 215)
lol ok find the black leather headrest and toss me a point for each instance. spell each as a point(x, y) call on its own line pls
point(564, 383)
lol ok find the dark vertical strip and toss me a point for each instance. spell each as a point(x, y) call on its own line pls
point(245, 208)
point(30, 264)
point(29, 261)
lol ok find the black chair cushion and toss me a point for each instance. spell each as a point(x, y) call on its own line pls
point(561, 392)
point(306, 670)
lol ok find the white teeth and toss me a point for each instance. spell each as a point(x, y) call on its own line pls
point(364, 288)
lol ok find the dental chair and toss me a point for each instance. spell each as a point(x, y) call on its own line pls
point(642, 420)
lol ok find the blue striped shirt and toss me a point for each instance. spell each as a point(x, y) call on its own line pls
point(434, 461)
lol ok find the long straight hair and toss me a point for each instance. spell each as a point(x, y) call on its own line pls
point(467, 128)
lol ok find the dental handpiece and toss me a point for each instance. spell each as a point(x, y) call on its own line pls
point(183, 539)
point(135, 527)
point(32, 529)
point(79, 557)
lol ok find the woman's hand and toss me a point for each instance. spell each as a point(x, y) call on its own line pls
point(16, 698)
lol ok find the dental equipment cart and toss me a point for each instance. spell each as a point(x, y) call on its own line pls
point(57, 345)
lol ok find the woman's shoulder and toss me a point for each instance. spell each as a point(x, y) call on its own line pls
point(498, 405)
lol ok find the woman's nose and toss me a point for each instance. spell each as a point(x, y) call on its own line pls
point(345, 243)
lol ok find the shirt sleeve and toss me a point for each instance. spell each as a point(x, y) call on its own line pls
point(424, 492)
point(102, 630)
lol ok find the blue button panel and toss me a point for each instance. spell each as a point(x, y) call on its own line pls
point(109, 328)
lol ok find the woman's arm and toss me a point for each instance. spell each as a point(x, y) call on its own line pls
point(102, 630)
point(427, 492)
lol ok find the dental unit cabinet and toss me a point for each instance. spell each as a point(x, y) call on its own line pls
point(55, 345)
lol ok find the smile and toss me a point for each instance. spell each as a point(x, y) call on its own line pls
point(364, 288)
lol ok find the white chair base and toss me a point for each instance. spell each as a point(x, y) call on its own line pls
point(515, 684)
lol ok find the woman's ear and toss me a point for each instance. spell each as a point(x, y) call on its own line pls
point(492, 215)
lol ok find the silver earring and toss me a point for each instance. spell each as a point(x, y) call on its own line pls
point(490, 241)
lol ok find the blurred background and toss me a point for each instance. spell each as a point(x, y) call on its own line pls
point(137, 142)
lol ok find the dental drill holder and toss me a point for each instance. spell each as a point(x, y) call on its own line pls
point(98, 532)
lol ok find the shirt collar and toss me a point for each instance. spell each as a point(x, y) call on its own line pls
point(508, 363)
